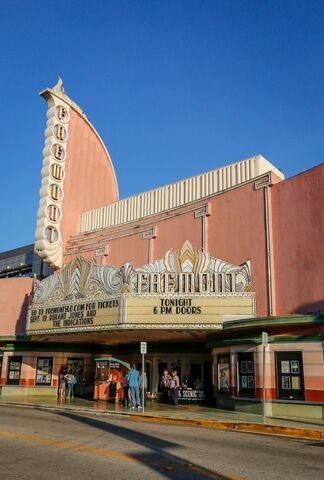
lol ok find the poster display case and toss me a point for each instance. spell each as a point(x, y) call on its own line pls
point(289, 375)
point(14, 369)
point(245, 374)
point(44, 370)
point(224, 371)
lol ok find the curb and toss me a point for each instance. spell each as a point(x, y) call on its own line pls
point(194, 422)
point(237, 426)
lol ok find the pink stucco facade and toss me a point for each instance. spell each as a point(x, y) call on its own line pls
point(236, 232)
point(298, 241)
point(14, 299)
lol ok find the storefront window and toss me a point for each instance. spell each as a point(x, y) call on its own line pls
point(103, 371)
point(14, 368)
point(245, 374)
point(289, 375)
point(76, 366)
point(223, 364)
point(44, 371)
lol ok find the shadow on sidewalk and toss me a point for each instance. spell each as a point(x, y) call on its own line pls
point(158, 458)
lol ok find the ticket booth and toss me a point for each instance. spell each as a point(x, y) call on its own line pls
point(108, 377)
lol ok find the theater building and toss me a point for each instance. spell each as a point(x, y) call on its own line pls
point(198, 269)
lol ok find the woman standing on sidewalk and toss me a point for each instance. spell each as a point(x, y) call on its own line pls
point(165, 385)
point(71, 381)
point(174, 387)
point(62, 383)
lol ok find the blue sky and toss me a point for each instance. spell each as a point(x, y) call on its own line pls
point(173, 87)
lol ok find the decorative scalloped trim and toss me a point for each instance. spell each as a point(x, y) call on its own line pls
point(133, 326)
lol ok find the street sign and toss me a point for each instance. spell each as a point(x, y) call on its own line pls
point(265, 339)
point(143, 352)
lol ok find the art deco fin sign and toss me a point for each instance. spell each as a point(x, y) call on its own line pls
point(48, 241)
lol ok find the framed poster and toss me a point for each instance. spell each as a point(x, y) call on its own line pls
point(285, 366)
point(223, 364)
point(245, 374)
point(295, 366)
point(289, 375)
point(44, 371)
point(295, 383)
point(244, 381)
point(286, 384)
point(250, 366)
point(250, 382)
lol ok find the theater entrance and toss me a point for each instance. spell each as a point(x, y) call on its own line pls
point(194, 371)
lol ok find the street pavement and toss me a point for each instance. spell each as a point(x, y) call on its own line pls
point(38, 444)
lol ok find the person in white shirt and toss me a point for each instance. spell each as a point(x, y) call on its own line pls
point(143, 380)
point(174, 387)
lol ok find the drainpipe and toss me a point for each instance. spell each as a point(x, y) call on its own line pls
point(264, 182)
point(269, 250)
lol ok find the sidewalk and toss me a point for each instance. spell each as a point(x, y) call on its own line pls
point(181, 414)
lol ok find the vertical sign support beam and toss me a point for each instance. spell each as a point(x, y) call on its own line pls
point(264, 345)
point(143, 352)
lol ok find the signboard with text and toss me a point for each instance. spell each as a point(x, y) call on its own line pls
point(136, 309)
point(74, 316)
point(188, 288)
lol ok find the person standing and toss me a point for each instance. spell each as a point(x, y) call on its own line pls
point(125, 384)
point(174, 387)
point(143, 381)
point(165, 385)
point(62, 383)
point(134, 386)
point(70, 380)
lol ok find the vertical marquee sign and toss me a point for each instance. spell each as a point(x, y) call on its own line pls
point(48, 242)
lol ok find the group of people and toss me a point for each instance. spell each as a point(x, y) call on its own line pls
point(66, 384)
point(132, 383)
point(134, 380)
point(170, 383)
